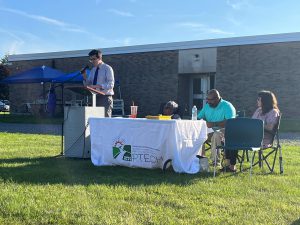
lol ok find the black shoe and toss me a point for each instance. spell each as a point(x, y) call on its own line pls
point(227, 169)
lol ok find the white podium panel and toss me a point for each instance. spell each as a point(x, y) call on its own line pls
point(77, 142)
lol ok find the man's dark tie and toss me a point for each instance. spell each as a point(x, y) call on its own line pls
point(95, 76)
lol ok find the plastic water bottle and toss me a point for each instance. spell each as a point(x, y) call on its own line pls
point(194, 113)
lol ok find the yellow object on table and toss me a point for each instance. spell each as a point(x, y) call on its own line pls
point(159, 117)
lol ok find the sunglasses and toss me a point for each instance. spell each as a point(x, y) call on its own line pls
point(210, 99)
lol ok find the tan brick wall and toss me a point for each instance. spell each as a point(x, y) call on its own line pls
point(242, 71)
point(148, 79)
point(151, 78)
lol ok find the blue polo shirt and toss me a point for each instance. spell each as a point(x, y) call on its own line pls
point(224, 111)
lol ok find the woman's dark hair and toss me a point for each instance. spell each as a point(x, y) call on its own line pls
point(268, 101)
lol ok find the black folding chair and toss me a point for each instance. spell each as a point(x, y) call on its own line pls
point(207, 145)
point(242, 134)
point(241, 113)
point(265, 153)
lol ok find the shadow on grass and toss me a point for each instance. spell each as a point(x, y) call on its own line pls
point(61, 170)
point(296, 222)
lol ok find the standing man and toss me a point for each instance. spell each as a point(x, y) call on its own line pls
point(215, 112)
point(101, 78)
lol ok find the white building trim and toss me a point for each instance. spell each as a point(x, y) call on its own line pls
point(247, 40)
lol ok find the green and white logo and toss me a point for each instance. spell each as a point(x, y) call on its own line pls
point(120, 148)
point(139, 155)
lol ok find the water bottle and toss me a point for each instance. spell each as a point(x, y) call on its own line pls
point(194, 113)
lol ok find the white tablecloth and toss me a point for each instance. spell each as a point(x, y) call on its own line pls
point(147, 143)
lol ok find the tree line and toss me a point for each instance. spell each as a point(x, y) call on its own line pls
point(4, 72)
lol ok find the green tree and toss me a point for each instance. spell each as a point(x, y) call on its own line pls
point(4, 72)
point(4, 60)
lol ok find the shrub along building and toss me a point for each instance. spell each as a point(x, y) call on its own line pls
point(153, 74)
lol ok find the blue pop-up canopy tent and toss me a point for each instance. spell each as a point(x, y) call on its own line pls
point(71, 78)
point(34, 75)
point(41, 74)
point(74, 77)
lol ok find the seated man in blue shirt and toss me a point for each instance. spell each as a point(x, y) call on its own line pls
point(215, 112)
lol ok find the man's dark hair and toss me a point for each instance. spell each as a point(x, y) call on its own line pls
point(96, 52)
point(268, 101)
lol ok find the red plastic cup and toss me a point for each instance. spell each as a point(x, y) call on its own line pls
point(133, 110)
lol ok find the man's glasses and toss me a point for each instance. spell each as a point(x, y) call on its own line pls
point(210, 99)
point(92, 59)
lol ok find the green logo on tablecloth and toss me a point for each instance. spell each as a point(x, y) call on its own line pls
point(119, 147)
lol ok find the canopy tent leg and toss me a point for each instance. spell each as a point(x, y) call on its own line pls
point(62, 124)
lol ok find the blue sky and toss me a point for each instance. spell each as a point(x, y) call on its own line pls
point(32, 26)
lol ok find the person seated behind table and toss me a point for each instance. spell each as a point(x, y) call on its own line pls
point(171, 109)
point(215, 112)
point(268, 112)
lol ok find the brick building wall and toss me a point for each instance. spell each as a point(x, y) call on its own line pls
point(151, 78)
point(242, 71)
point(148, 79)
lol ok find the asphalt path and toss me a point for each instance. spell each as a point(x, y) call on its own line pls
point(53, 129)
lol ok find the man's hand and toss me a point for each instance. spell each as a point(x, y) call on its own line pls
point(84, 75)
point(209, 124)
point(96, 86)
point(216, 124)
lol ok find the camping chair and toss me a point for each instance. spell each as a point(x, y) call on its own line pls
point(118, 107)
point(242, 134)
point(264, 154)
point(207, 147)
point(118, 104)
point(207, 143)
point(29, 108)
point(240, 113)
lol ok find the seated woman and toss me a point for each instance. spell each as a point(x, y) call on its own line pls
point(171, 109)
point(268, 112)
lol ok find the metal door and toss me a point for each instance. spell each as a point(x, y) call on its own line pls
point(200, 85)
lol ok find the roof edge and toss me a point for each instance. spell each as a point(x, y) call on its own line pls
point(209, 43)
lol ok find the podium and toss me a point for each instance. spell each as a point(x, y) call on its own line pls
point(86, 91)
point(76, 131)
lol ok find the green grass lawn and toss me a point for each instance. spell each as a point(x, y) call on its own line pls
point(39, 188)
